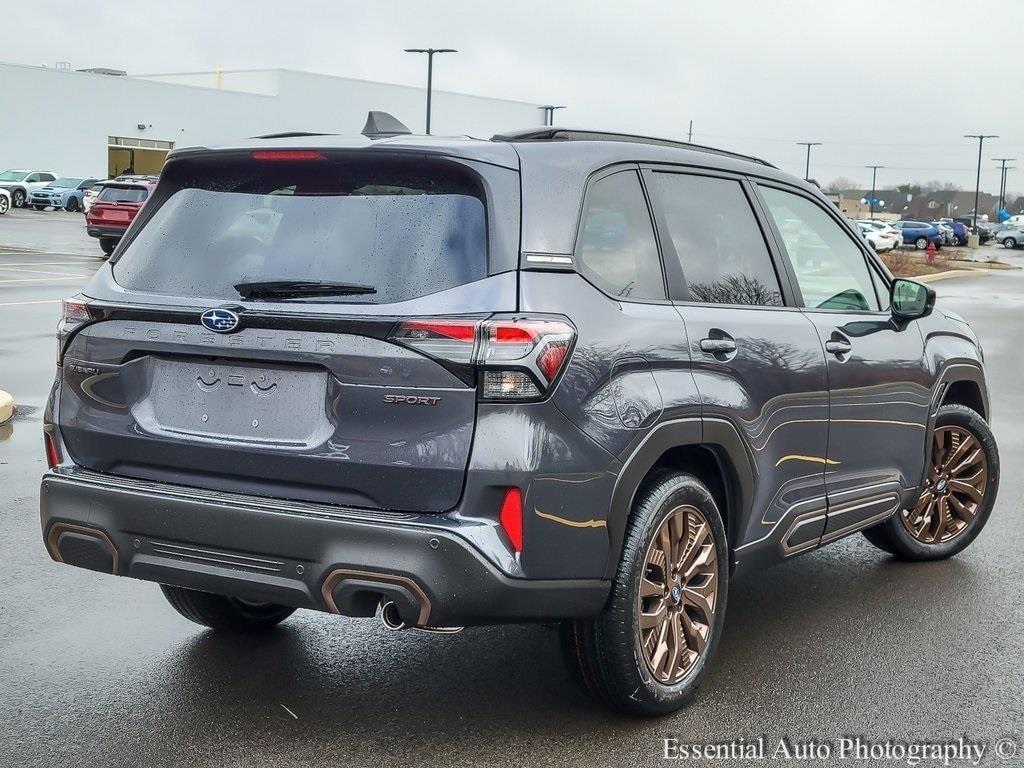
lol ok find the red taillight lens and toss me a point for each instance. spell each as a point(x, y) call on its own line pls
point(453, 340)
point(52, 457)
point(511, 518)
point(74, 313)
point(518, 357)
point(286, 155)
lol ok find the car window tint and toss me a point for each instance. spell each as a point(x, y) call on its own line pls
point(124, 194)
point(616, 248)
point(717, 239)
point(830, 268)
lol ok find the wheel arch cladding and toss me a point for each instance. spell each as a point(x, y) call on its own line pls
point(966, 392)
point(712, 452)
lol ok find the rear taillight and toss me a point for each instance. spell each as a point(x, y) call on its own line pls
point(517, 358)
point(75, 312)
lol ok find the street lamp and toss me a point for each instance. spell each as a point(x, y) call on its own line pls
point(430, 71)
point(808, 144)
point(549, 112)
point(1002, 179)
point(871, 200)
point(977, 181)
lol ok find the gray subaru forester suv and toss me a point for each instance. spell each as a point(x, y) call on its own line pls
point(555, 376)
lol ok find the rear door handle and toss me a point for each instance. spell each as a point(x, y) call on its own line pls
point(718, 346)
point(838, 347)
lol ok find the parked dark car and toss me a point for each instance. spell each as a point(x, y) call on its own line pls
point(960, 232)
point(65, 193)
point(556, 376)
point(114, 209)
point(919, 234)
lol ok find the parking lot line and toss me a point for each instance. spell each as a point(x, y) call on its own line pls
point(45, 279)
point(22, 303)
point(50, 272)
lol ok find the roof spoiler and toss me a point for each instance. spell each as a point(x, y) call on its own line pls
point(382, 125)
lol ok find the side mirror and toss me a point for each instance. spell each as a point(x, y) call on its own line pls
point(910, 299)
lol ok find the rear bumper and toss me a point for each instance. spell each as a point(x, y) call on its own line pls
point(305, 555)
point(94, 230)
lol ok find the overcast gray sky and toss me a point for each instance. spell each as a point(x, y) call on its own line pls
point(895, 83)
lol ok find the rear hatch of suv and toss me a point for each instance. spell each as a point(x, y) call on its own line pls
point(117, 205)
point(295, 324)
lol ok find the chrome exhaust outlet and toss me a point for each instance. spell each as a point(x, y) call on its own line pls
point(392, 621)
point(390, 617)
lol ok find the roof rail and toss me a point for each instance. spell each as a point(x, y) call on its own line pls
point(572, 134)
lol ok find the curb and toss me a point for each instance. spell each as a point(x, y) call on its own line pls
point(937, 276)
point(6, 406)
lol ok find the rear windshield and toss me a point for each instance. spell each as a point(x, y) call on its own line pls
point(123, 194)
point(405, 229)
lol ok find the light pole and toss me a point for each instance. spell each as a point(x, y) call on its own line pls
point(430, 72)
point(871, 200)
point(808, 144)
point(549, 112)
point(977, 181)
point(1002, 179)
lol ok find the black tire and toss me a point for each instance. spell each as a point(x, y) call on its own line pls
point(892, 535)
point(1009, 243)
point(5, 203)
point(72, 206)
point(39, 207)
point(921, 243)
point(108, 244)
point(226, 614)
point(18, 198)
point(605, 653)
point(957, 241)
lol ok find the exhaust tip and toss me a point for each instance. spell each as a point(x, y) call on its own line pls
point(390, 617)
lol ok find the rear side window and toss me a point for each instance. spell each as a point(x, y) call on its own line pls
point(123, 194)
point(406, 229)
point(719, 244)
point(616, 248)
point(830, 267)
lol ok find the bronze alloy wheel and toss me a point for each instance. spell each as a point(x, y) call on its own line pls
point(677, 594)
point(954, 490)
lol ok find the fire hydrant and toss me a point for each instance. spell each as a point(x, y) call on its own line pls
point(931, 251)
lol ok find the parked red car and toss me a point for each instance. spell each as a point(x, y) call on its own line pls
point(114, 209)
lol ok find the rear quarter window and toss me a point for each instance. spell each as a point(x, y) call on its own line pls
point(408, 229)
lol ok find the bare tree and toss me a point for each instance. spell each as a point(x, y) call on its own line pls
point(841, 184)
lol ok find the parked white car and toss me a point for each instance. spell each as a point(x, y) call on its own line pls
point(20, 183)
point(5, 201)
point(880, 242)
point(886, 229)
point(90, 195)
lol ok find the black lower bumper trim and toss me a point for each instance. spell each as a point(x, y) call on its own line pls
point(343, 565)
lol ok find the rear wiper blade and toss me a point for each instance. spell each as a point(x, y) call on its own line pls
point(286, 289)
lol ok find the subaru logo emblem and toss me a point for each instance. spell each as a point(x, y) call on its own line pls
point(219, 320)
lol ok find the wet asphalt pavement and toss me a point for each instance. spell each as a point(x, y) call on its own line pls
point(99, 671)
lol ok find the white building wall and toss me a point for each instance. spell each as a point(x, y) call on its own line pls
point(60, 120)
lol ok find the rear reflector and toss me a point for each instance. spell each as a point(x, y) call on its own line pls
point(511, 518)
point(52, 457)
point(285, 155)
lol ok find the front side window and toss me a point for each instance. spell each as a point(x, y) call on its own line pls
point(616, 248)
point(830, 268)
point(719, 244)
